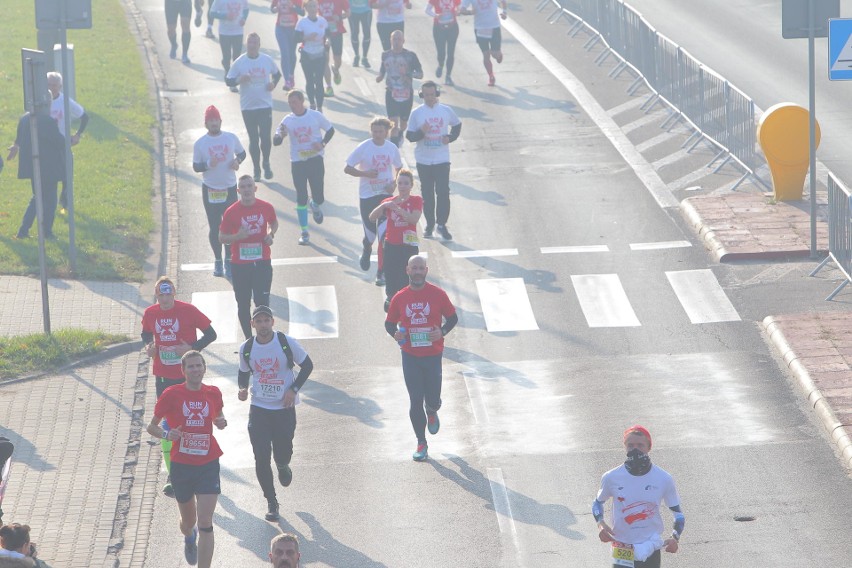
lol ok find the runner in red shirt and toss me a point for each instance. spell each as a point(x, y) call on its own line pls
point(249, 226)
point(169, 329)
point(401, 242)
point(419, 317)
point(192, 409)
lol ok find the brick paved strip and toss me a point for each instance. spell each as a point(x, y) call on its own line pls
point(825, 380)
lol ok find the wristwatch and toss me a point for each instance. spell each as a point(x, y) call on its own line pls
point(295, 389)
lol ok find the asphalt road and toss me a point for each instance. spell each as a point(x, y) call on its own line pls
point(533, 408)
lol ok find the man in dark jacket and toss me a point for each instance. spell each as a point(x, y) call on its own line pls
point(52, 166)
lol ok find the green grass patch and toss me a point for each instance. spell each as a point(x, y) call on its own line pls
point(27, 354)
point(113, 163)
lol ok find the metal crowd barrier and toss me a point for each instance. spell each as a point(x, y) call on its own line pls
point(716, 110)
point(839, 232)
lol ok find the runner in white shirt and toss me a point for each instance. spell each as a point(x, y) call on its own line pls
point(486, 26)
point(232, 16)
point(312, 31)
point(257, 76)
point(305, 127)
point(375, 162)
point(637, 488)
point(274, 392)
point(57, 112)
point(217, 156)
point(434, 126)
point(389, 17)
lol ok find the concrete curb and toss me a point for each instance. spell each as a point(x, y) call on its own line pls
point(109, 352)
point(814, 396)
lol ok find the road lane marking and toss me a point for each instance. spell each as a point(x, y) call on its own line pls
point(574, 249)
point(313, 312)
point(500, 497)
point(660, 245)
point(331, 259)
point(603, 301)
point(701, 296)
point(221, 308)
point(477, 403)
point(505, 304)
point(481, 253)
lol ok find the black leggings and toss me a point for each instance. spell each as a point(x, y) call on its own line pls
point(313, 68)
point(214, 219)
point(311, 171)
point(653, 561)
point(258, 123)
point(423, 381)
point(395, 259)
point(385, 31)
point(445, 42)
point(232, 47)
point(252, 279)
point(365, 21)
point(271, 434)
point(367, 206)
point(435, 188)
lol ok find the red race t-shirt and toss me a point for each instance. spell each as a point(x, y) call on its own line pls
point(399, 232)
point(194, 411)
point(256, 219)
point(170, 328)
point(420, 311)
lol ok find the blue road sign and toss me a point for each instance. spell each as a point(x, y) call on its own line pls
point(840, 49)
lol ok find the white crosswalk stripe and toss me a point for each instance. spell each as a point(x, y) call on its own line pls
point(603, 301)
point(701, 296)
point(221, 308)
point(313, 312)
point(505, 304)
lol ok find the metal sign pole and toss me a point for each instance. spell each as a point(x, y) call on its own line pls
point(69, 160)
point(812, 124)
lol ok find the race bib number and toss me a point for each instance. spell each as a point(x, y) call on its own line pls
point(168, 355)
point(270, 390)
point(401, 94)
point(394, 10)
point(445, 18)
point(196, 444)
point(433, 141)
point(332, 27)
point(420, 336)
point(217, 195)
point(485, 34)
point(379, 186)
point(251, 251)
point(410, 238)
point(622, 554)
point(306, 154)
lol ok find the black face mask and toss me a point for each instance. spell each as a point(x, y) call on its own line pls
point(637, 462)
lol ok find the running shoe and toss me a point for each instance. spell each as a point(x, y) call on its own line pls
point(356, 61)
point(316, 212)
point(173, 52)
point(63, 211)
point(168, 490)
point(267, 172)
point(427, 232)
point(498, 57)
point(272, 511)
point(365, 255)
point(218, 269)
point(256, 174)
point(365, 62)
point(439, 70)
point(190, 547)
point(185, 59)
point(305, 238)
point(422, 452)
point(329, 92)
point(380, 278)
point(198, 14)
point(337, 78)
point(449, 81)
point(444, 232)
point(432, 422)
point(235, 89)
point(210, 32)
point(285, 475)
point(492, 80)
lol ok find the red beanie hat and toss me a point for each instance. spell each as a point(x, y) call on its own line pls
point(638, 430)
point(212, 113)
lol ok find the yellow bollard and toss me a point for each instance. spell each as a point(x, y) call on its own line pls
point(783, 134)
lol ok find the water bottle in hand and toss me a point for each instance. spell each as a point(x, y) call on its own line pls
point(404, 339)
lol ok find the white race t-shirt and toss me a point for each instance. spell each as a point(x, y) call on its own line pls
point(392, 12)
point(636, 502)
point(270, 377)
point(308, 27)
point(253, 94)
point(303, 132)
point(430, 149)
point(485, 14)
point(57, 111)
point(385, 159)
point(234, 9)
point(225, 147)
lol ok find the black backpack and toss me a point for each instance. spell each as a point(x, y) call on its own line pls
point(285, 346)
